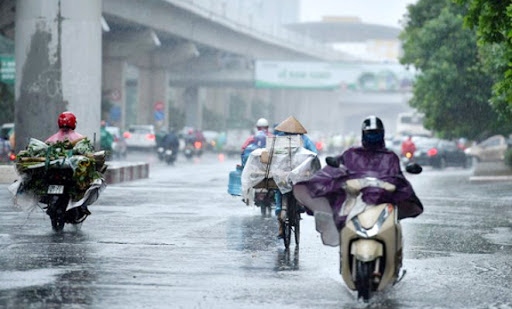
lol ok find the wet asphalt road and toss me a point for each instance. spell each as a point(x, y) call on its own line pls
point(178, 240)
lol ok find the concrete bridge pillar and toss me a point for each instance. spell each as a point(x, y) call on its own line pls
point(114, 84)
point(153, 94)
point(192, 106)
point(58, 66)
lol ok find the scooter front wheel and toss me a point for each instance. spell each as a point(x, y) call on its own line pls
point(364, 279)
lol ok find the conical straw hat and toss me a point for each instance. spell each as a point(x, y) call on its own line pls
point(291, 125)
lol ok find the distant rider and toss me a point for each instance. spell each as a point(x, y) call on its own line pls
point(261, 125)
point(171, 141)
point(259, 140)
point(408, 146)
point(106, 139)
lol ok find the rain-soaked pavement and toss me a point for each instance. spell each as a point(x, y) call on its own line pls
point(178, 240)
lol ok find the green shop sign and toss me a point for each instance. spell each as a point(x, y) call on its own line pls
point(369, 77)
point(7, 69)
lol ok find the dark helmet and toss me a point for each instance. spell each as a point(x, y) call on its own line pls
point(372, 133)
point(260, 139)
point(67, 120)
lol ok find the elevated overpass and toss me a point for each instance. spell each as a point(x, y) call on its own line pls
point(191, 46)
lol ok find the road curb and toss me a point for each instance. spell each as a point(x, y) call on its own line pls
point(117, 172)
point(491, 172)
point(124, 173)
point(489, 178)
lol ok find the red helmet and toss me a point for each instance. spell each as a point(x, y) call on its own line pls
point(67, 120)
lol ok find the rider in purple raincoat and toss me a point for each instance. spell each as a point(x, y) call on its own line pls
point(324, 191)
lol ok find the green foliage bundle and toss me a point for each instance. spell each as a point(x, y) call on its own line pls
point(38, 158)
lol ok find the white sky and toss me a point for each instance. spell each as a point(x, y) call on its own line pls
point(383, 12)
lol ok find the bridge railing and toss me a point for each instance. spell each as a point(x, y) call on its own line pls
point(243, 21)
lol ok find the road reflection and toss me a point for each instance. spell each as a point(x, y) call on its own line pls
point(53, 269)
point(252, 233)
point(286, 260)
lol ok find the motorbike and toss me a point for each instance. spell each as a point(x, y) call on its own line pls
point(371, 240)
point(371, 252)
point(407, 157)
point(369, 234)
point(61, 178)
point(193, 149)
point(160, 151)
point(170, 156)
point(264, 196)
point(58, 195)
point(265, 200)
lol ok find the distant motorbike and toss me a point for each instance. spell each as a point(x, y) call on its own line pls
point(160, 151)
point(408, 157)
point(170, 156)
point(193, 149)
point(265, 200)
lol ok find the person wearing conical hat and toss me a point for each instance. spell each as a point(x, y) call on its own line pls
point(290, 126)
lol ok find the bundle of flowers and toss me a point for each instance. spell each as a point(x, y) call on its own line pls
point(38, 158)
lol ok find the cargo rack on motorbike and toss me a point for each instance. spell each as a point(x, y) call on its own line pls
point(283, 144)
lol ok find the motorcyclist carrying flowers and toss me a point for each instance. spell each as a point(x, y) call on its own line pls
point(67, 125)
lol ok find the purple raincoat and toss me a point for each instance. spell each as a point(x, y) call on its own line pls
point(324, 189)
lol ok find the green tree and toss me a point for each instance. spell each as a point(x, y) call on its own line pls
point(493, 23)
point(453, 86)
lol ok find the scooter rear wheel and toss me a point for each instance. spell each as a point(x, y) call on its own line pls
point(57, 212)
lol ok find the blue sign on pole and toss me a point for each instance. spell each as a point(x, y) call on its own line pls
point(115, 113)
point(159, 115)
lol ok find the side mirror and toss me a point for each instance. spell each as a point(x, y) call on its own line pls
point(413, 168)
point(331, 161)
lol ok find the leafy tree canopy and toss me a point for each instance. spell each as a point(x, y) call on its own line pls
point(492, 20)
point(453, 86)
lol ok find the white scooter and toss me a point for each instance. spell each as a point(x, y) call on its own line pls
point(372, 245)
point(371, 252)
point(371, 236)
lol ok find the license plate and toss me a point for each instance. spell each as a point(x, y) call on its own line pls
point(55, 189)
